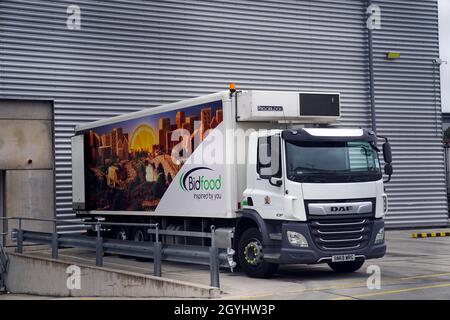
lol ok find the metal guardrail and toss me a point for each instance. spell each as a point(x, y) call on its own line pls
point(155, 250)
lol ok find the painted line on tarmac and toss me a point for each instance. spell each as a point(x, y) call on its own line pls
point(424, 276)
point(430, 234)
point(387, 292)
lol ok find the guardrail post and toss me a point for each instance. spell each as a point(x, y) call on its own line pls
point(55, 243)
point(214, 260)
point(4, 232)
point(20, 241)
point(20, 238)
point(157, 254)
point(98, 247)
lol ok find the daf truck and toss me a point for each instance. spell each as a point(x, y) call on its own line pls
point(274, 167)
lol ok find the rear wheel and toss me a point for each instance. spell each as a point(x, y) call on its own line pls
point(121, 233)
point(346, 267)
point(251, 255)
point(138, 235)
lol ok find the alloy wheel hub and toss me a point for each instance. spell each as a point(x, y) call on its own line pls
point(253, 254)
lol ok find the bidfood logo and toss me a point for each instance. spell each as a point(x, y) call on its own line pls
point(194, 180)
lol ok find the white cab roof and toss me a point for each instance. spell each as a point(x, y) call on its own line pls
point(332, 132)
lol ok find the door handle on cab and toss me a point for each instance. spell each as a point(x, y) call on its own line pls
point(291, 200)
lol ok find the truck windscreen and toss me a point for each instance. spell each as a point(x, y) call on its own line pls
point(331, 161)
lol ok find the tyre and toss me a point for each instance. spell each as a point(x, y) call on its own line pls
point(251, 255)
point(173, 239)
point(121, 233)
point(346, 267)
point(139, 235)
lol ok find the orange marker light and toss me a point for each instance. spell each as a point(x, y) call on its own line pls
point(232, 87)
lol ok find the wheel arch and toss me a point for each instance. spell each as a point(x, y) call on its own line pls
point(251, 218)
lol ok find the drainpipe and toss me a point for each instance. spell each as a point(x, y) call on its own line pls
point(371, 77)
point(3, 223)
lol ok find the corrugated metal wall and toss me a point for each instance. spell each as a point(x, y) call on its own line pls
point(408, 111)
point(134, 54)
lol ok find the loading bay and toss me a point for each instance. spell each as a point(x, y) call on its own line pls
point(411, 269)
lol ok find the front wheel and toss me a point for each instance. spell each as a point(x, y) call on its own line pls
point(347, 266)
point(251, 255)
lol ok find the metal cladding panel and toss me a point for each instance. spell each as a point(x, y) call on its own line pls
point(130, 55)
point(408, 109)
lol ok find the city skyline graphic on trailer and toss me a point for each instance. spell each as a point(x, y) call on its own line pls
point(129, 162)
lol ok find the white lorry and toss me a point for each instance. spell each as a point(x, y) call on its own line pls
point(267, 165)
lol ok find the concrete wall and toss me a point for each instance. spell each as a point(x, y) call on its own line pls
point(26, 159)
point(25, 134)
point(29, 193)
point(47, 277)
point(25, 144)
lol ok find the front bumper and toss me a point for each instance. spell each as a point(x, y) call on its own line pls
point(289, 254)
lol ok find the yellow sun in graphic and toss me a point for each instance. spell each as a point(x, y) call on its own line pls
point(143, 138)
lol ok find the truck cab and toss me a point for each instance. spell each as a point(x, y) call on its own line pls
point(320, 194)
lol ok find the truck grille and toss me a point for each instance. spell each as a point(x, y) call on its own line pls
point(341, 234)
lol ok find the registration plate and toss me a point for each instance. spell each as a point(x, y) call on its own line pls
point(343, 257)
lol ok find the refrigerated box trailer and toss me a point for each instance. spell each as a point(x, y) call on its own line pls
point(271, 166)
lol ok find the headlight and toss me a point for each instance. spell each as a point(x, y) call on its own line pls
point(380, 236)
point(297, 239)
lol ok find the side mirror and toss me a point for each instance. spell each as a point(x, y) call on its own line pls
point(276, 183)
point(388, 169)
point(387, 154)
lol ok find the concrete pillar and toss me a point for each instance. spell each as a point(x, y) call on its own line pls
point(27, 161)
